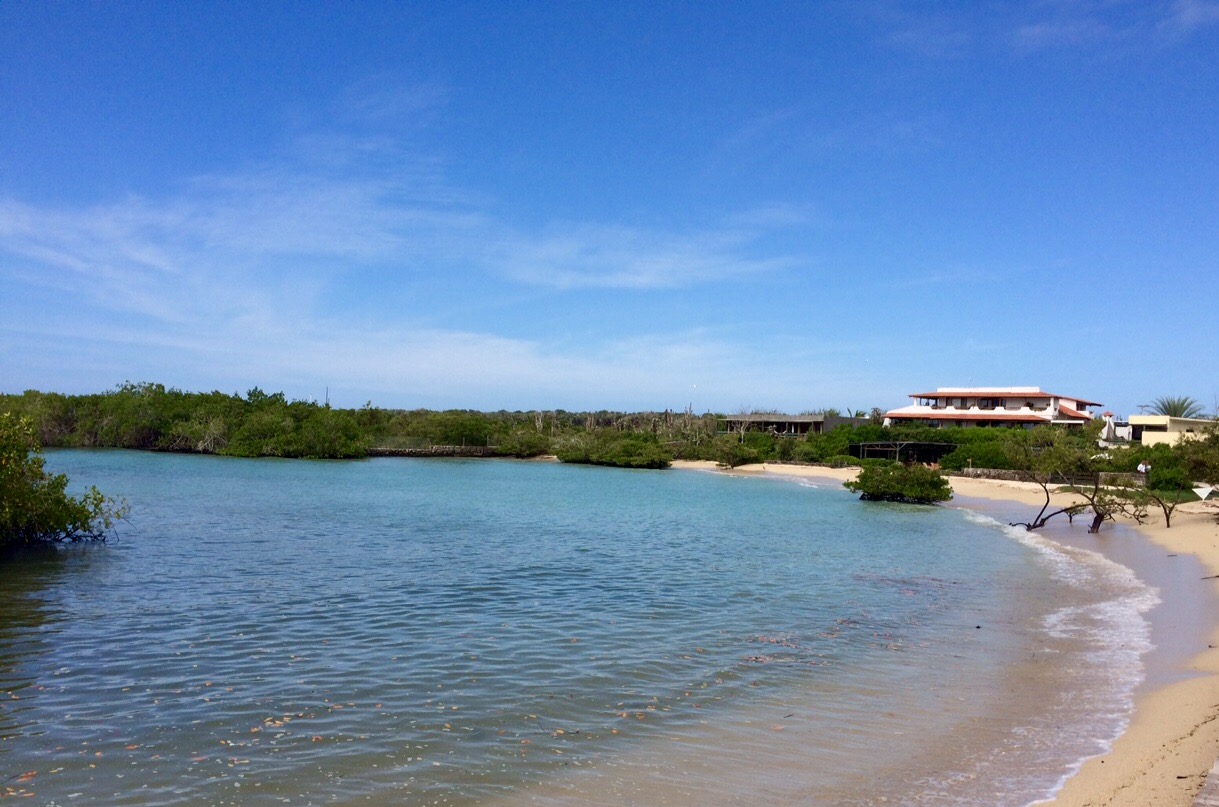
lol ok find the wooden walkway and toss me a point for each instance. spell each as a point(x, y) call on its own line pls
point(434, 451)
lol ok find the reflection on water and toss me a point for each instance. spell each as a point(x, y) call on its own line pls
point(25, 623)
point(469, 632)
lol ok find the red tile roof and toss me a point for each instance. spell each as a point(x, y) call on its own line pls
point(1071, 413)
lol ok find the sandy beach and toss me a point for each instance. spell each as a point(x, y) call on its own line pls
point(1173, 738)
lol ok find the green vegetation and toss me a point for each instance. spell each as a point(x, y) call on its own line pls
point(893, 482)
point(150, 417)
point(261, 424)
point(1053, 458)
point(1177, 406)
point(994, 454)
point(34, 505)
point(619, 449)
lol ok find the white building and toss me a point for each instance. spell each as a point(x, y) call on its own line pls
point(1024, 407)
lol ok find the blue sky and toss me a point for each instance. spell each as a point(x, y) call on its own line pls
point(611, 205)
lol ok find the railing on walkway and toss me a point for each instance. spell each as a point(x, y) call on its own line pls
point(425, 447)
point(432, 450)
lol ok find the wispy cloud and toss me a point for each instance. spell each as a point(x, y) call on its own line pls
point(590, 256)
point(1042, 25)
point(954, 276)
point(298, 221)
point(1187, 16)
point(933, 37)
point(1061, 32)
point(1066, 23)
point(264, 276)
point(403, 365)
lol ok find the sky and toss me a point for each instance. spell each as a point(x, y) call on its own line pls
point(623, 205)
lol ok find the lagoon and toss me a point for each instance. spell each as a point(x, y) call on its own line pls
point(498, 632)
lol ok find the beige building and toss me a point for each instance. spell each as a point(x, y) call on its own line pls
point(1153, 430)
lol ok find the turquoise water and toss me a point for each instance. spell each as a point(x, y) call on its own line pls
point(474, 632)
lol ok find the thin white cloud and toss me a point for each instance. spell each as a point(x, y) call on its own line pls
point(949, 276)
point(1042, 25)
point(1067, 23)
point(1061, 32)
point(1187, 16)
point(588, 256)
point(926, 33)
point(264, 232)
point(403, 366)
point(932, 37)
point(265, 274)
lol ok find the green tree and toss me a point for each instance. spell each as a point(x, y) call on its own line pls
point(891, 482)
point(992, 454)
point(1177, 406)
point(523, 441)
point(730, 452)
point(1053, 457)
point(615, 448)
point(1200, 456)
point(34, 505)
point(328, 434)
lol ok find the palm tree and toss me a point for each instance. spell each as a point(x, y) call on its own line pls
point(1177, 406)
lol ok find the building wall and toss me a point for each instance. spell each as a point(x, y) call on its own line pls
point(1153, 430)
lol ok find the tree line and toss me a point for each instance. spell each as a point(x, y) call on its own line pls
point(152, 417)
point(148, 416)
point(260, 424)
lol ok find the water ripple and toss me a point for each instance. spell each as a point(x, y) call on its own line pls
point(414, 632)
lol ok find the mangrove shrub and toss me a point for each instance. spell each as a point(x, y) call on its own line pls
point(900, 483)
point(35, 507)
point(618, 449)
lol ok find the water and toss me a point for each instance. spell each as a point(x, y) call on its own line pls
point(485, 632)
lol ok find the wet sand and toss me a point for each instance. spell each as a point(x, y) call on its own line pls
point(1173, 737)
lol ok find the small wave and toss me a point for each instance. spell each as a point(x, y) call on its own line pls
point(1079, 567)
point(1109, 634)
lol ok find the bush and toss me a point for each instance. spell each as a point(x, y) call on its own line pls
point(900, 483)
point(992, 454)
point(617, 449)
point(1167, 479)
point(34, 505)
point(761, 444)
point(523, 442)
point(1200, 456)
point(729, 452)
point(785, 450)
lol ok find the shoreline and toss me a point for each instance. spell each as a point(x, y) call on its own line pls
point(1172, 739)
